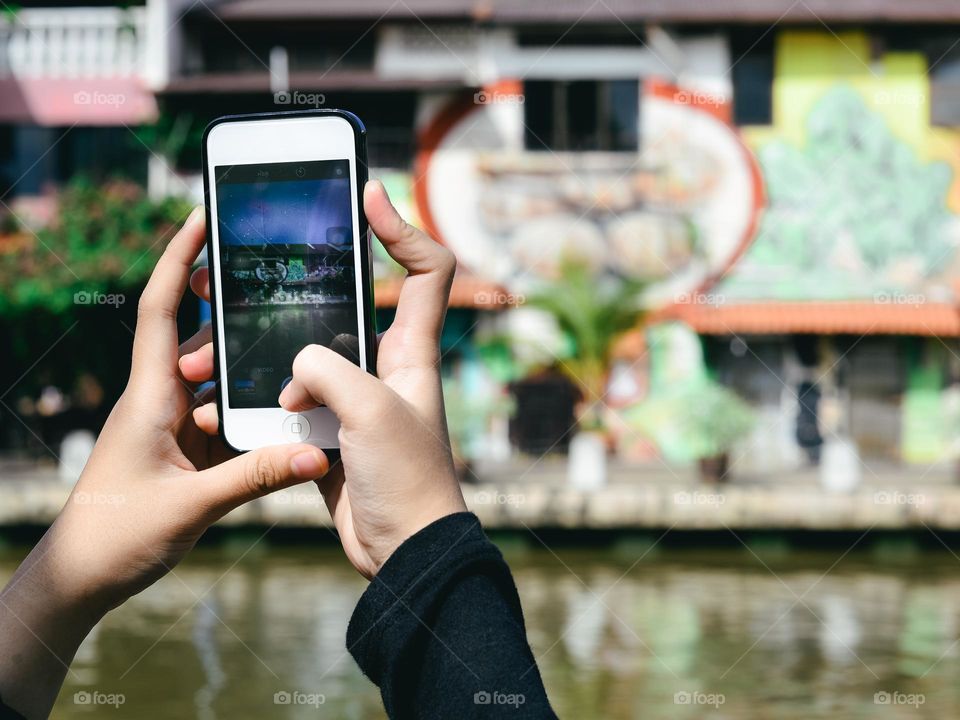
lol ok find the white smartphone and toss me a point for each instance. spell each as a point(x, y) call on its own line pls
point(289, 257)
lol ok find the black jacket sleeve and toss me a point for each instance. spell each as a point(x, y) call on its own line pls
point(8, 713)
point(440, 630)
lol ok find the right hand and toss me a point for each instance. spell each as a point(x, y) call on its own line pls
point(397, 474)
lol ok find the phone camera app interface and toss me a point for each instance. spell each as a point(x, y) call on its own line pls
point(287, 271)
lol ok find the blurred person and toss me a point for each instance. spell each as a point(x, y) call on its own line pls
point(439, 629)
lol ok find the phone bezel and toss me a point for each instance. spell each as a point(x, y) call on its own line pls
point(271, 138)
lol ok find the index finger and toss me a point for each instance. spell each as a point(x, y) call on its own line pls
point(155, 341)
point(429, 265)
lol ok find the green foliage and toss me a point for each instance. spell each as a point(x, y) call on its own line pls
point(592, 312)
point(106, 237)
point(468, 414)
point(704, 417)
point(176, 137)
point(853, 190)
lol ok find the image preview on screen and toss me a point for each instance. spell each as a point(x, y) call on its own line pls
point(287, 271)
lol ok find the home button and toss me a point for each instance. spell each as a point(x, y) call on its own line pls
point(296, 428)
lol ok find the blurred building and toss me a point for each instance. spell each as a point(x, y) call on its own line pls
point(784, 175)
point(77, 68)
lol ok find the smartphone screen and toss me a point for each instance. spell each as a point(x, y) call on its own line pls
point(288, 271)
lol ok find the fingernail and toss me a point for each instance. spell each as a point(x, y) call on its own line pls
point(184, 357)
point(308, 465)
point(195, 215)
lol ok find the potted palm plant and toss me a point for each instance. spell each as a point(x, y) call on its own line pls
point(591, 312)
point(703, 417)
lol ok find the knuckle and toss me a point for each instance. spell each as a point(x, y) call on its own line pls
point(306, 359)
point(262, 476)
point(408, 231)
point(150, 306)
point(448, 261)
point(146, 307)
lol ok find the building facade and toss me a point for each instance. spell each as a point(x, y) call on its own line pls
point(783, 178)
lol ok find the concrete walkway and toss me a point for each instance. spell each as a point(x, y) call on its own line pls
point(535, 494)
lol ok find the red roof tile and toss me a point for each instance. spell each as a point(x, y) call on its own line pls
point(820, 318)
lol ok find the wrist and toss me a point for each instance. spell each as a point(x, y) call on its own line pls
point(426, 516)
point(42, 623)
point(58, 592)
point(63, 581)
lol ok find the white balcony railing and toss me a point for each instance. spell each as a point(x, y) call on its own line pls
point(73, 42)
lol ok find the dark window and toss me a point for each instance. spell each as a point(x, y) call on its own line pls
point(99, 153)
point(580, 35)
point(213, 47)
point(582, 115)
point(389, 117)
point(33, 158)
point(943, 58)
point(752, 76)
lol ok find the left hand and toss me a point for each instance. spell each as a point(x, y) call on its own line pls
point(152, 486)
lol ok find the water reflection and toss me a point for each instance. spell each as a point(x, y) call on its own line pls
point(223, 641)
point(205, 641)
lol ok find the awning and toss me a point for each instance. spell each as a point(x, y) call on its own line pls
point(58, 102)
point(820, 318)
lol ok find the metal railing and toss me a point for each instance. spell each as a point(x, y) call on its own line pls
point(73, 42)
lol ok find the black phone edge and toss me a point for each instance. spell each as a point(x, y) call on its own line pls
point(366, 261)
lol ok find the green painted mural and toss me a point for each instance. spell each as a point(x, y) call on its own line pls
point(858, 184)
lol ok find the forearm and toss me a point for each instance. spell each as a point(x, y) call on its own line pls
point(441, 631)
point(42, 623)
point(475, 660)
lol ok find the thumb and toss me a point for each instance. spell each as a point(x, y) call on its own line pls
point(324, 377)
point(260, 472)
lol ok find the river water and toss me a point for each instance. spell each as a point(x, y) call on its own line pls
point(247, 630)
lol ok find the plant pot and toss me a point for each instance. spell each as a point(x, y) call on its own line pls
point(713, 470)
point(840, 466)
point(75, 450)
point(587, 461)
